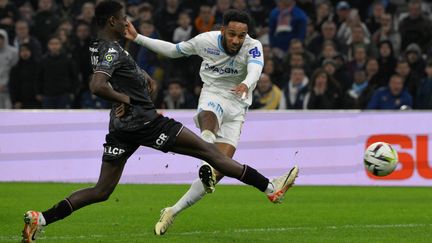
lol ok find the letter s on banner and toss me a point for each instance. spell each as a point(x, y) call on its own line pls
point(405, 159)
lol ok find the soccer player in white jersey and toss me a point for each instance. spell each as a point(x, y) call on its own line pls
point(231, 66)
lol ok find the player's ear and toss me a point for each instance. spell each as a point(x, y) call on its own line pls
point(222, 30)
point(111, 20)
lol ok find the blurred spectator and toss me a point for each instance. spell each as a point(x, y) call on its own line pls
point(65, 40)
point(296, 60)
point(411, 80)
point(26, 13)
point(66, 25)
point(311, 33)
point(322, 93)
point(57, 80)
point(392, 97)
point(8, 16)
point(177, 97)
point(336, 73)
point(68, 8)
point(286, 22)
point(323, 13)
point(266, 96)
point(358, 38)
point(81, 56)
point(344, 34)
point(8, 58)
point(342, 11)
point(387, 62)
point(240, 5)
point(328, 51)
point(272, 69)
point(328, 33)
point(87, 13)
point(147, 59)
point(259, 14)
point(424, 91)
point(359, 60)
point(373, 74)
point(373, 22)
point(184, 31)
point(165, 19)
point(296, 47)
point(294, 92)
point(23, 80)
point(219, 9)
point(45, 22)
point(413, 55)
point(205, 20)
point(22, 36)
point(145, 13)
point(387, 31)
point(361, 91)
point(341, 75)
point(415, 28)
point(132, 11)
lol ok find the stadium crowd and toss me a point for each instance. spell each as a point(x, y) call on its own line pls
point(319, 54)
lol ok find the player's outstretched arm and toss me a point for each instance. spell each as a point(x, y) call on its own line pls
point(159, 46)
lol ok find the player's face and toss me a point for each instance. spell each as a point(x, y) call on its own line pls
point(234, 34)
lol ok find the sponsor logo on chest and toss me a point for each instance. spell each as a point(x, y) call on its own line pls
point(220, 70)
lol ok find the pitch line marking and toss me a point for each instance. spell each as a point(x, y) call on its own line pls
point(330, 227)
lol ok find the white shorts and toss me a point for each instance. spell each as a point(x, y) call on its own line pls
point(230, 114)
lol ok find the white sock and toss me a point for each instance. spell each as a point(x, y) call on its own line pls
point(42, 219)
point(208, 136)
point(270, 189)
point(193, 195)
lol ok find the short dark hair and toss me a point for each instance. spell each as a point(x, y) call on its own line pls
point(236, 16)
point(105, 10)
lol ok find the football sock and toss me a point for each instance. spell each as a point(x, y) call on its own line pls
point(252, 177)
point(59, 211)
point(270, 189)
point(193, 195)
point(208, 136)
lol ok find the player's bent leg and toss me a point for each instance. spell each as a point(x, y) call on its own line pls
point(208, 120)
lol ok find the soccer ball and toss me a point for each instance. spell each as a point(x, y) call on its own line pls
point(380, 159)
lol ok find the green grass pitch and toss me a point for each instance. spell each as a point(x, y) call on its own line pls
point(232, 214)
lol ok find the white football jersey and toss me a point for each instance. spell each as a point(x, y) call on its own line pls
point(218, 69)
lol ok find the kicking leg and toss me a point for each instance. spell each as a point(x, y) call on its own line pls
point(189, 144)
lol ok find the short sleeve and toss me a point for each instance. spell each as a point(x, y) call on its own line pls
point(107, 61)
point(188, 48)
